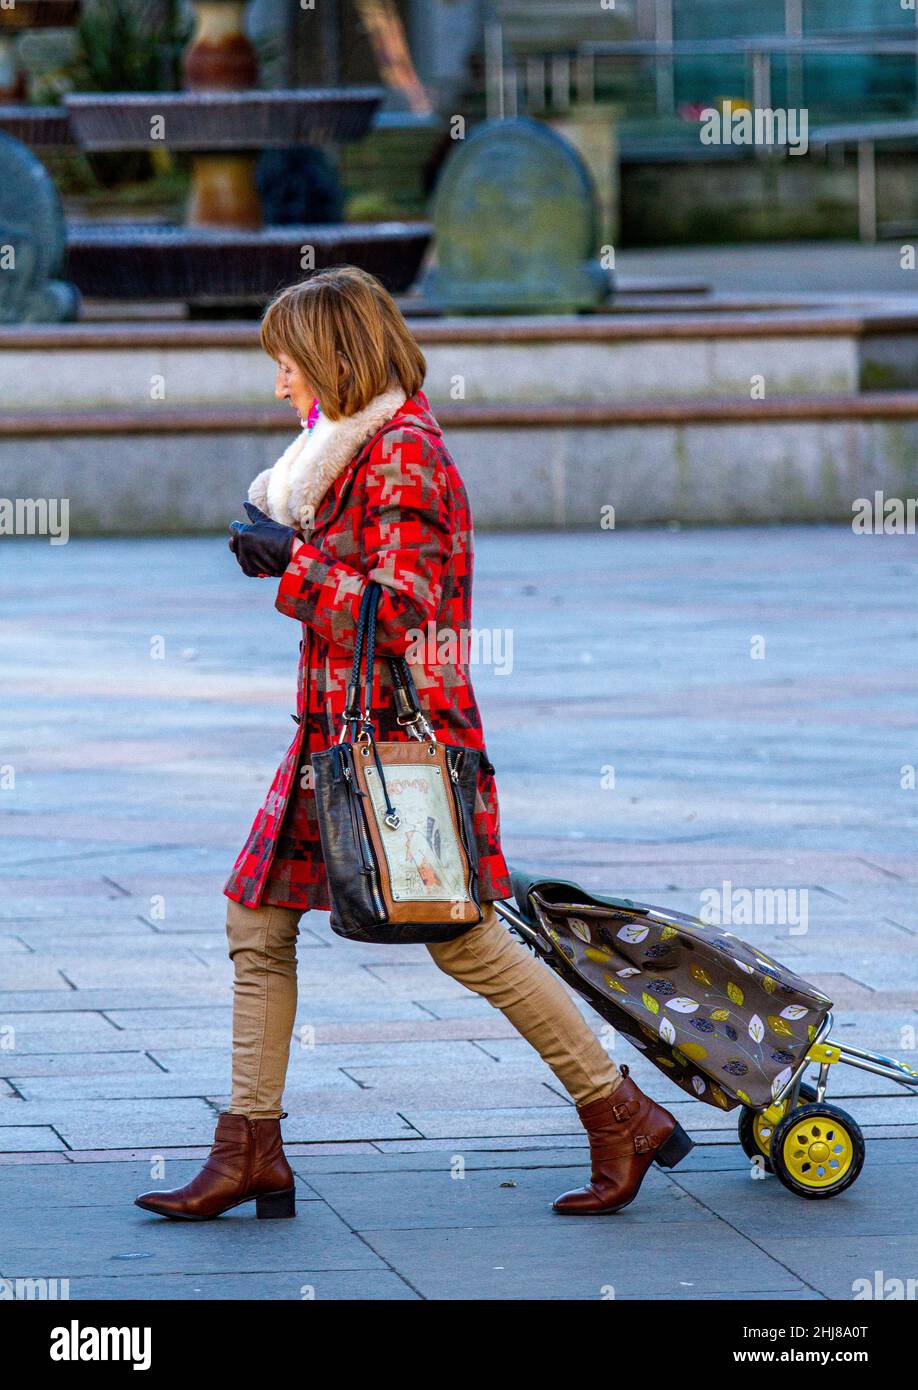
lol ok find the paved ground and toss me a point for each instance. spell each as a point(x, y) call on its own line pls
point(428, 1140)
point(780, 267)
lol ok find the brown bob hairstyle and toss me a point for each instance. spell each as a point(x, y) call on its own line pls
point(348, 337)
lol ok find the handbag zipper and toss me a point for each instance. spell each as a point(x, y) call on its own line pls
point(370, 870)
point(355, 819)
point(454, 774)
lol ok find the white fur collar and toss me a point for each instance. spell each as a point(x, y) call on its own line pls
point(291, 491)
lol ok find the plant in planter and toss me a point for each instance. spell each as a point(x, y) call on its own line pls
point(127, 46)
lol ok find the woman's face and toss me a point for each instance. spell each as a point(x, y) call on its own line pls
point(290, 385)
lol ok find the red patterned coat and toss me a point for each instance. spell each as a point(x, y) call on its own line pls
point(397, 513)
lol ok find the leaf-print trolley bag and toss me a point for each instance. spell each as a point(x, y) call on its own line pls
point(396, 818)
point(725, 1022)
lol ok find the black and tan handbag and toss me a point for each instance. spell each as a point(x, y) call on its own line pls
point(396, 818)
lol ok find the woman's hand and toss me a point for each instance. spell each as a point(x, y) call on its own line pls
point(261, 546)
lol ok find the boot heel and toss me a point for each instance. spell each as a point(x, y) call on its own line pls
point(272, 1205)
point(674, 1149)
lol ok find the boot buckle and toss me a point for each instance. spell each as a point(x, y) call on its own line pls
point(622, 1111)
point(642, 1143)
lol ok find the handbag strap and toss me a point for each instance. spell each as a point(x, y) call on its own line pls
point(366, 630)
point(409, 712)
point(407, 705)
point(352, 702)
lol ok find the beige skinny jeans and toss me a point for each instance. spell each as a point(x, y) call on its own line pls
point(486, 959)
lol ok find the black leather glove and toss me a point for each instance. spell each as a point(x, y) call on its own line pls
point(261, 546)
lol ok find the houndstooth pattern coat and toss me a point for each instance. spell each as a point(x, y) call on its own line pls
point(398, 513)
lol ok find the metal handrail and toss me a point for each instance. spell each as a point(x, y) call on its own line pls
point(520, 924)
point(875, 1063)
point(749, 45)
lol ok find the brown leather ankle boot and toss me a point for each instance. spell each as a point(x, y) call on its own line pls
point(247, 1161)
point(628, 1131)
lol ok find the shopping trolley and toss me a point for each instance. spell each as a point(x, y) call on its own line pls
point(721, 1019)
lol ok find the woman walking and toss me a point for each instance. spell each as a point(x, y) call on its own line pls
point(368, 491)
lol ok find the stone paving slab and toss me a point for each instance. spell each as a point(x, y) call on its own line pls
point(133, 1003)
point(299, 1284)
point(123, 866)
point(30, 972)
point(89, 1240)
point(398, 1029)
point(468, 1144)
point(457, 1007)
point(107, 1184)
point(124, 1085)
point(689, 1294)
point(129, 1040)
point(38, 1158)
point(511, 1083)
point(21, 1138)
point(471, 1057)
point(583, 1258)
point(483, 1198)
point(872, 1207)
point(544, 1119)
point(409, 980)
point(92, 1124)
point(316, 1012)
point(411, 1093)
point(190, 1152)
point(42, 1032)
point(841, 1264)
point(435, 1156)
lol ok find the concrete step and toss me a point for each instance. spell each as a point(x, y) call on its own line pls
point(607, 466)
point(496, 361)
point(705, 353)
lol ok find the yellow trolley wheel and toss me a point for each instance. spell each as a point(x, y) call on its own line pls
point(817, 1150)
point(755, 1130)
